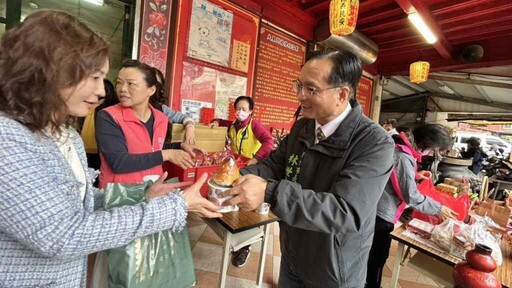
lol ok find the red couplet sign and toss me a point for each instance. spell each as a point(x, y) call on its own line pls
point(364, 94)
point(279, 61)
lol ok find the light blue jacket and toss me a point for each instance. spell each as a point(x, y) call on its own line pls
point(46, 230)
point(175, 116)
point(406, 172)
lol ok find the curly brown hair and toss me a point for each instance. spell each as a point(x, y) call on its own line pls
point(47, 52)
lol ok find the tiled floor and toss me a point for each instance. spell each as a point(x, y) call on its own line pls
point(207, 250)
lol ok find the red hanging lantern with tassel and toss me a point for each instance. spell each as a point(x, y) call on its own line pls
point(418, 72)
point(343, 16)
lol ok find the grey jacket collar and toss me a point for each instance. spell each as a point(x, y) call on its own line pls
point(336, 144)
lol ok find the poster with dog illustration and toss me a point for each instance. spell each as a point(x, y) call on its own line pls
point(210, 33)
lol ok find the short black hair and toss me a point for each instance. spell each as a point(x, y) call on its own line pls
point(110, 94)
point(246, 98)
point(392, 122)
point(160, 86)
point(473, 142)
point(346, 68)
point(430, 136)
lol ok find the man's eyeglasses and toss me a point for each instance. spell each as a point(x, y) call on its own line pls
point(308, 91)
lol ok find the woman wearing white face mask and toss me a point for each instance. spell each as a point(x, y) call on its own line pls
point(248, 137)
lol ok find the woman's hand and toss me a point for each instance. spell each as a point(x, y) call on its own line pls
point(159, 188)
point(252, 162)
point(426, 175)
point(190, 134)
point(197, 203)
point(178, 157)
point(192, 149)
point(446, 213)
point(213, 124)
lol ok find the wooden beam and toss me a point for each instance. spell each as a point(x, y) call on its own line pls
point(497, 53)
point(455, 5)
point(406, 84)
point(378, 15)
point(317, 7)
point(435, 103)
point(408, 97)
point(487, 19)
point(391, 23)
point(490, 117)
point(288, 17)
point(391, 94)
point(442, 45)
point(470, 81)
point(497, 8)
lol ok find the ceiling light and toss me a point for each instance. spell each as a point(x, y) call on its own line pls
point(422, 27)
point(447, 89)
point(95, 2)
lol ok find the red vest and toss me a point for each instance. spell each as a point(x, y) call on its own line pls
point(137, 140)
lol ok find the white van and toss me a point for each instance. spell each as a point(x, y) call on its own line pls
point(485, 141)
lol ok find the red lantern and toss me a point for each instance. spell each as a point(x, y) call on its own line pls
point(343, 16)
point(419, 71)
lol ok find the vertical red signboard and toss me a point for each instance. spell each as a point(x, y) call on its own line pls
point(364, 94)
point(280, 58)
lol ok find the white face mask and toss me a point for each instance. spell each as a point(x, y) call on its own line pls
point(242, 115)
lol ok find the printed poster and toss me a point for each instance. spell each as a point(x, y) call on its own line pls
point(210, 33)
point(228, 87)
point(240, 57)
point(206, 85)
point(193, 108)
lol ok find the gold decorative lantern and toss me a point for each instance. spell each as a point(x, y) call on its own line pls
point(343, 16)
point(419, 71)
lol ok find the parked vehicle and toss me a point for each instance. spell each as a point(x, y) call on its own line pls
point(485, 141)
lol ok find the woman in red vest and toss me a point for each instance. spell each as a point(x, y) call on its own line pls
point(131, 134)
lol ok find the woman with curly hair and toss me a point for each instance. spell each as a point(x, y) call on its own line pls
point(52, 68)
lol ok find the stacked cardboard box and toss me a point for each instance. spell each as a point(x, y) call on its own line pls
point(208, 138)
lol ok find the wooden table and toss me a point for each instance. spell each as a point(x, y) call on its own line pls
point(239, 229)
point(504, 272)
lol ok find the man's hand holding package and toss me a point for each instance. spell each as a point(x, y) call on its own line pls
point(248, 192)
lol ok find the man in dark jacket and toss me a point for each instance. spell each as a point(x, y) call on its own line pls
point(325, 178)
point(476, 153)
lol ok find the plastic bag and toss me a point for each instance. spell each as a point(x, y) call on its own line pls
point(478, 233)
point(162, 259)
point(460, 204)
point(443, 233)
point(227, 173)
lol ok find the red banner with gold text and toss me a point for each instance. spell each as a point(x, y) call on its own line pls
point(280, 58)
point(364, 94)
